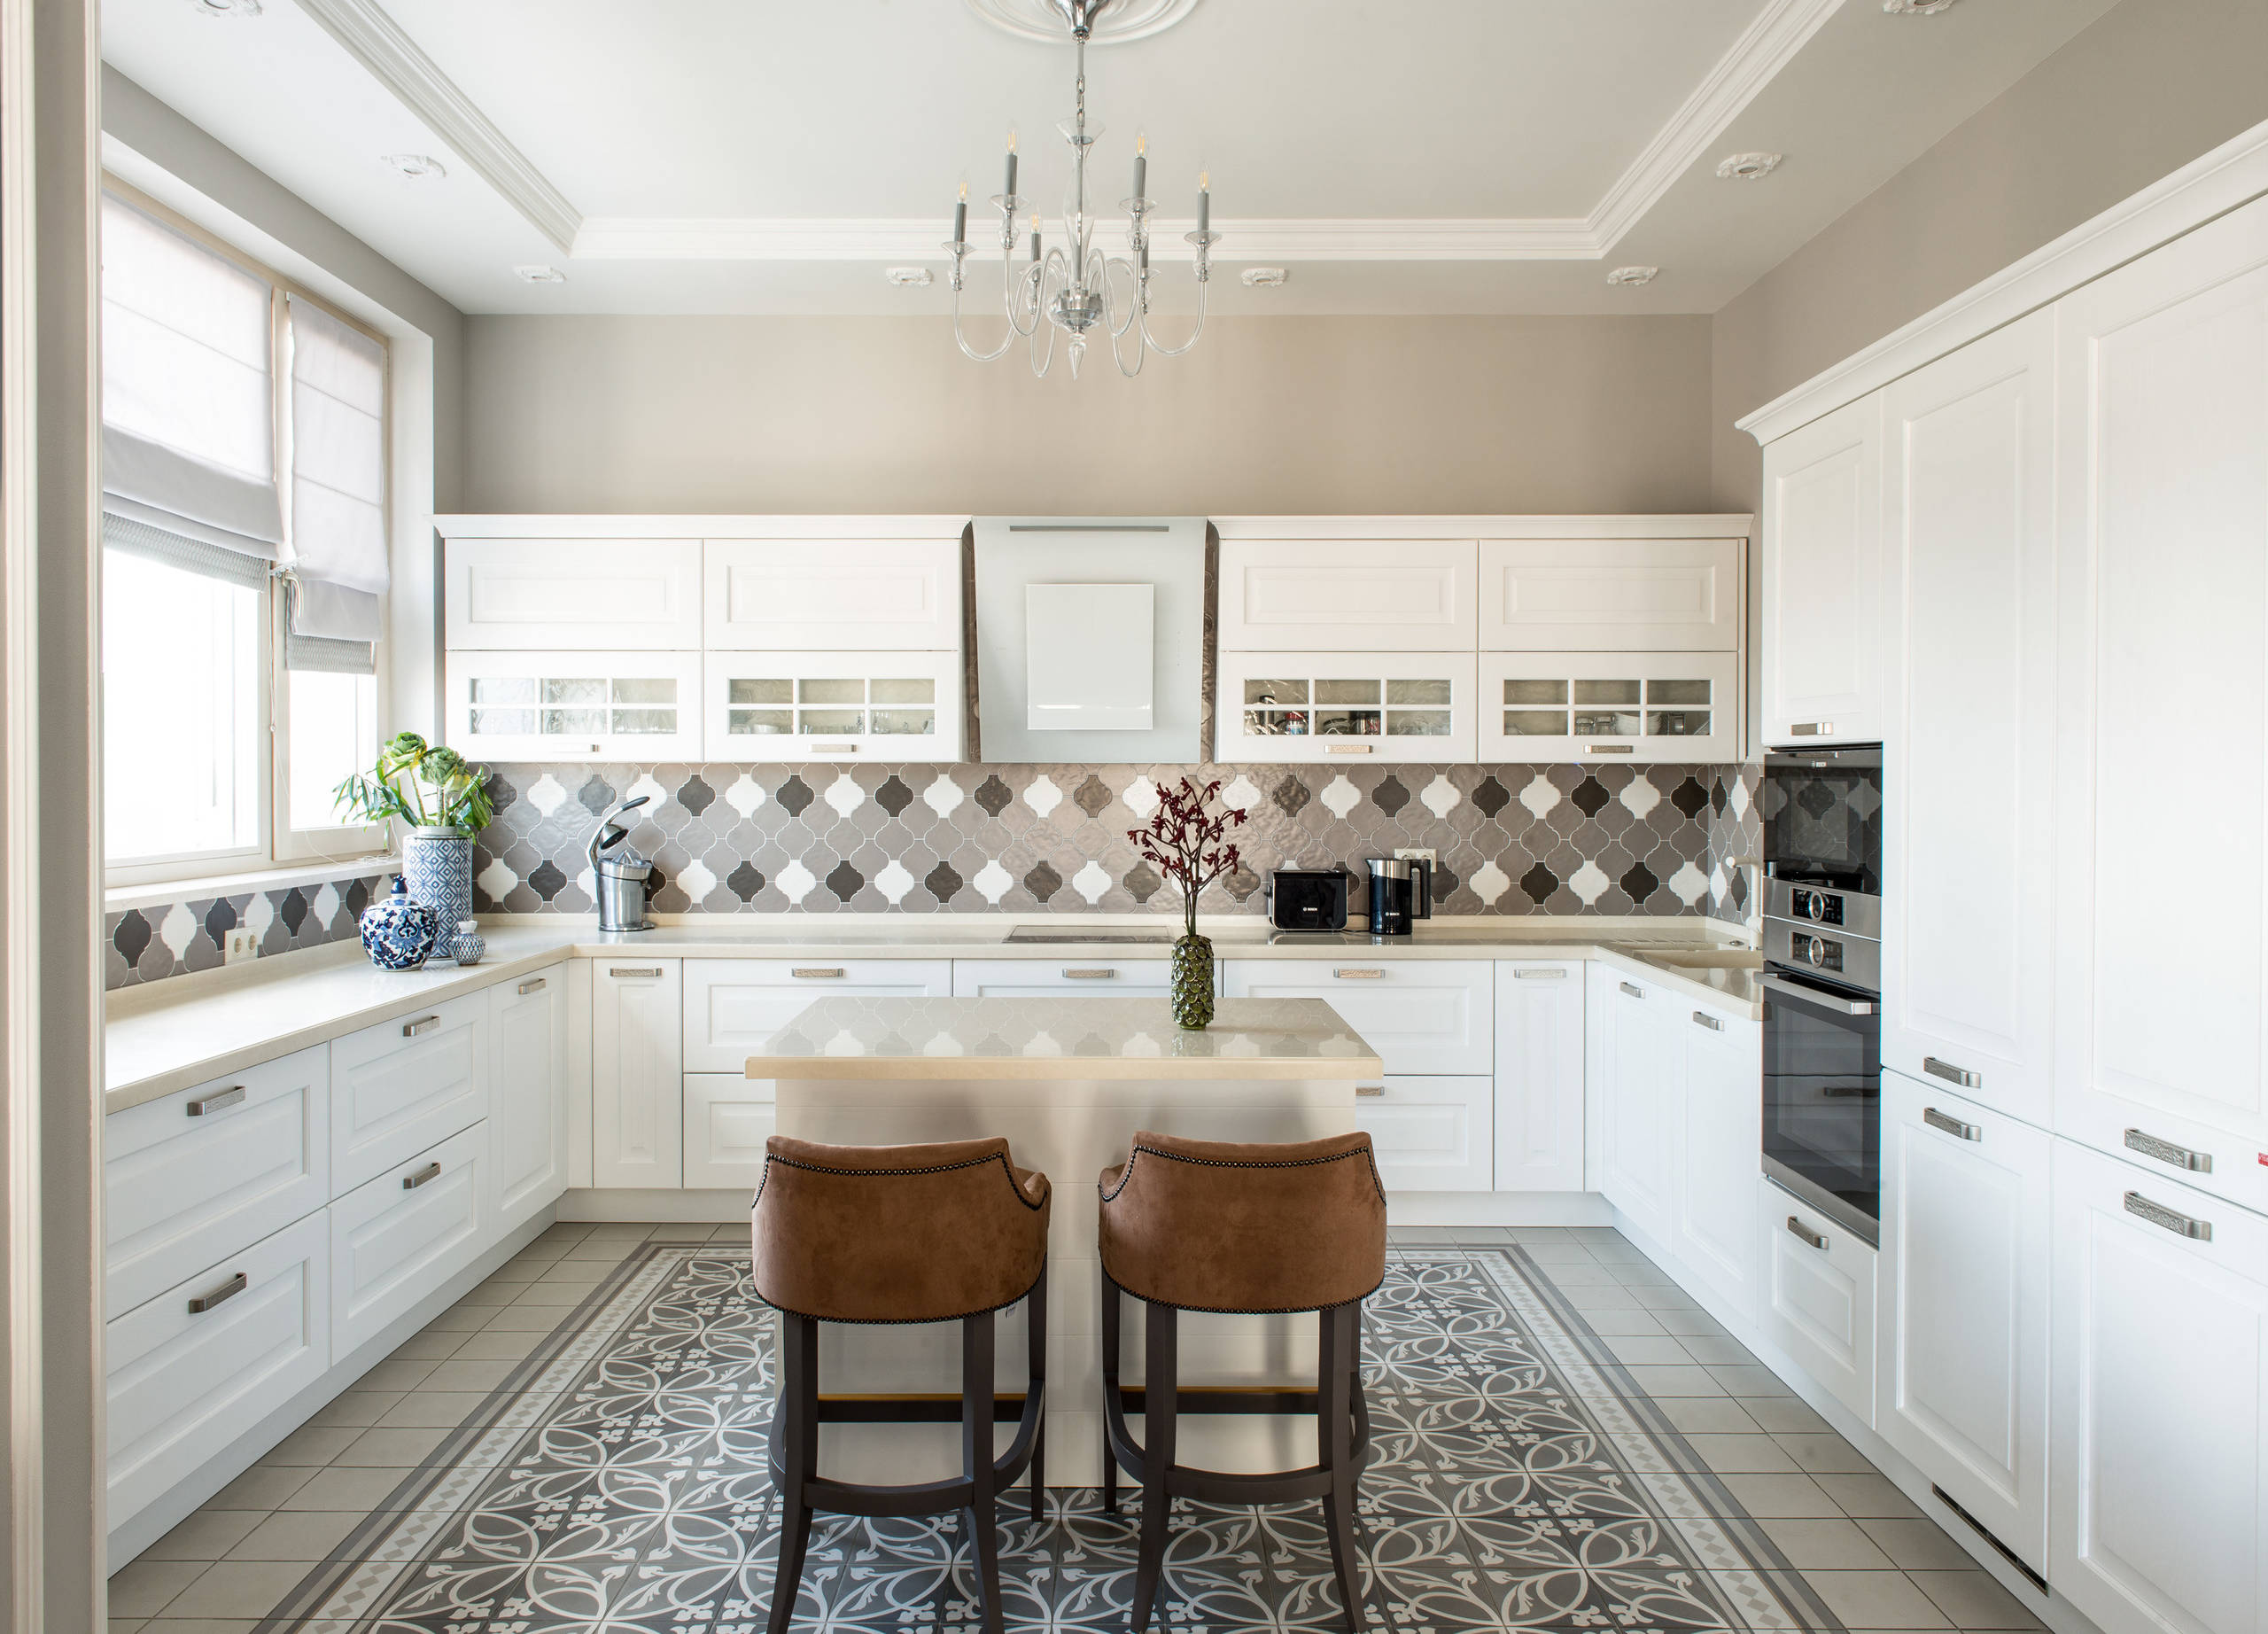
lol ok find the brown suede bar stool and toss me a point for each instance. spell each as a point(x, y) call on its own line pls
point(950, 1233)
point(1251, 1230)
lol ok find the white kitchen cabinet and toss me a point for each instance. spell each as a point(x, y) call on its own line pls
point(1822, 579)
point(2159, 1463)
point(587, 703)
point(641, 595)
point(1680, 707)
point(1962, 1386)
point(1424, 1017)
point(1969, 761)
point(1611, 595)
point(2163, 524)
point(1298, 707)
point(1429, 1134)
point(1538, 1113)
point(831, 595)
point(637, 1072)
point(728, 1117)
point(733, 1004)
point(189, 1370)
point(399, 1086)
point(1716, 1149)
point(398, 1238)
point(1036, 978)
point(782, 706)
point(527, 1099)
point(1638, 1097)
point(211, 1170)
point(1347, 594)
point(1816, 1297)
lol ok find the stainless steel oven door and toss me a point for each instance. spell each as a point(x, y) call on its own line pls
point(1822, 1098)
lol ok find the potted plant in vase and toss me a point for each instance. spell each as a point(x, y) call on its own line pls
point(442, 801)
point(1186, 844)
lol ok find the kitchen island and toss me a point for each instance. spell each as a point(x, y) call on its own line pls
point(1069, 1081)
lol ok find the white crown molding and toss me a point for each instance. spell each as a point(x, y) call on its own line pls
point(1726, 525)
point(395, 61)
point(501, 526)
point(2232, 175)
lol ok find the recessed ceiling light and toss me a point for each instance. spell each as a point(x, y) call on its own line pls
point(910, 278)
point(1265, 277)
point(540, 275)
point(225, 8)
point(417, 167)
point(1916, 8)
point(1748, 166)
point(1631, 277)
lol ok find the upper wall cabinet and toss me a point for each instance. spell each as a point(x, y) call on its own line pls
point(833, 705)
point(1680, 707)
point(1822, 547)
point(1347, 594)
point(623, 595)
point(582, 705)
point(832, 594)
point(1314, 706)
point(1609, 594)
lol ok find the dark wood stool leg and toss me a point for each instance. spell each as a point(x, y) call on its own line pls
point(1110, 1342)
point(799, 1453)
point(976, 1387)
point(1035, 1373)
point(1161, 1371)
point(1334, 1436)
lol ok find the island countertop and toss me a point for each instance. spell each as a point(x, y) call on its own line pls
point(1063, 1037)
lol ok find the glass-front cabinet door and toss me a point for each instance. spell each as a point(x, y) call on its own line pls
point(1674, 706)
point(1316, 707)
point(574, 705)
point(833, 705)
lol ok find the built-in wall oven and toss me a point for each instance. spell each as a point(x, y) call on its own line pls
point(1821, 811)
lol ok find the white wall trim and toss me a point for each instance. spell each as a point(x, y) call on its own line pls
point(1717, 526)
point(2230, 174)
point(378, 43)
point(502, 526)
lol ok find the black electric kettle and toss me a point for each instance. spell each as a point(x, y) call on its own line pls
point(1401, 893)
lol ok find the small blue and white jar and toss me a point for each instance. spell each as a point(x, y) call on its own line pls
point(399, 933)
point(466, 946)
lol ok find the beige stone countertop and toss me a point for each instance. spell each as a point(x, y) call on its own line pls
point(170, 1035)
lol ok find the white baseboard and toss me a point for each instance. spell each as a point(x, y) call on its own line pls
point(639, 1204)
point(1497, 1209)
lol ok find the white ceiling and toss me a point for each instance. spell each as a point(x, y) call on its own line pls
point(1441, 156)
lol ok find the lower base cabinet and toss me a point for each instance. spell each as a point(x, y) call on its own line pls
point(1539, 1111)
point(190, 1369)
point(1637, 1098)
point(1816, 1297)
point(727, 1119)
point(2159, 1423)
point(1430, 1134)
point(1720, 1129)
point(396, 1239)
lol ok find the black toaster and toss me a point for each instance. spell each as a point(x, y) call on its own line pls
point(1308, 899)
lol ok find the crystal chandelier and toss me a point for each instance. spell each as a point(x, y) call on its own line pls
point(1074, 287)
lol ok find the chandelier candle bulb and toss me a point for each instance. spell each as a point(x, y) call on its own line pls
point(1205, 201)
point(1009, 191)
point(1141, 163)
point(1034, 235)
point(960, 217)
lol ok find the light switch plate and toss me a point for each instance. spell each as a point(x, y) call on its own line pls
point(243, 943)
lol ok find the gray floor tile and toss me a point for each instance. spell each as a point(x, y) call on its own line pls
point(1590, 1273)
point(1483, 1236)
point(262, 1487)
point(1742, 1455)
point(354, 1409)
point(303, 1534)
point(1633, 1273)
point(125, 1625)
point(206, 1536)
point(201, 1625)
point(499, 1344)
point(1657, 1350)
point(432, 1345)
point(1827, 1545)
point(1696, 1323)
point(529, 1318)
point(144, 1588)
point(1667, 1298)
point(390, 1448)
point(394, 1375)
point(460, 1318)
point(468, 1375)
point(238, 1589)
point(1676, 1382)
point(1750, 1381)
point(1623, 1324)
point(432, 1409)
point(1613, 1298)
point(1787, 1413)
point(1877, 1599)
point(612, 1231)
point(1974, 1599)
point(1707, 1415)
point(738, 1232)
point(1868, 1497)
point(1792, 1497)
point(1420, 1236)
point(1550, 1254)
point(1918, 1545)
point(363, 1490)
point(513, 1272)
point(694, 1230)
point(1825, 1453)
point(308, 1445)
point(1722, 1350)
point(565, 1232)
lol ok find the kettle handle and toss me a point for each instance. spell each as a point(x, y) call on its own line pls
point(598, 834)
point(1424, 907)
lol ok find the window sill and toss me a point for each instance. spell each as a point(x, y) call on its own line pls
point(118, 899)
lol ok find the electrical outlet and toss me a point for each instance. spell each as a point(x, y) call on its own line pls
point(243, 943)
point(1422, 853)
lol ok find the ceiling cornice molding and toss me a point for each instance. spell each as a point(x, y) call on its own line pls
point(376, 42)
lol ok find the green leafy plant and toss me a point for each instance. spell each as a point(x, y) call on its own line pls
point(425, 785)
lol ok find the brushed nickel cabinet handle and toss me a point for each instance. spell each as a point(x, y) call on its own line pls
point(1805, 1233)
point(1703, 1018)
point(228, 1290)
point(1950, 1124)
point(1360, 976)
point(1549, 973)
point(431, 1171)
point(2179, 1223)
point(1346, 748)
point(835, 749)
point(1635, 992)
point(219, 1100)
point(819, 973)
point(1951, 1074)
point(2167, 1152)
point(1370, 1089)
point(1810, 728)
point(632, 973)
point(1609, 748)
point(533, 984)
point(410, 1030)
point(1102, 975)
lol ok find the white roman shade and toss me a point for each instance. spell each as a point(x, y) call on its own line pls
point(338, 475)
point(189, 443)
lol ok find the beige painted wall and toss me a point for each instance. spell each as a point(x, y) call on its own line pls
point(2147, 88)
point(1267, 414)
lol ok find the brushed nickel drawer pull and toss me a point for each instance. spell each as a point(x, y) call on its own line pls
point(630, 973)
point(410, 1030)
point(2180, 1224)
point(1609, 749)
point(219, 1100)
point(534, 984)
point(431, 1171)
point(1703, 1018)
point(1950, 1073)
point(228, 1290)
point(1635, 992)
point(1805, 1233)
point(1104, 974)
point(1370, 1089)
point(1346, 748)
point(1360, 976)
point(2167, 1152)
point(819, 973)
point(1810, 728)
point(1549, 973)
point(1950, 1124)
point(835, 749)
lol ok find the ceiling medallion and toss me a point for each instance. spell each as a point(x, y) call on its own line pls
point(1046, 19)
point(1073, 288)
point(910, 278)
point(1630, 278)
point(417, 167)
point(1265, 277)
point(1916, 8)
point(225, 8)
point(1748, 166)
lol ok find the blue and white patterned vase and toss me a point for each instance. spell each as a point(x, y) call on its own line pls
point(437, 863)
point(397, 932)
point(466, 946)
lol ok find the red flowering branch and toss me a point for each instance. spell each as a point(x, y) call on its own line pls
point(1186, 844)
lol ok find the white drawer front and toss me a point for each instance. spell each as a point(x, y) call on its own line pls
point(399, 1238)
point(1036, 978)
point(1818, 1298)
point(1431, 1134)
point(727, 1119)
point(398, 1088)
point(182, 1384)
point(733, 1004)
point(1429, 1018)
point(210, 1171)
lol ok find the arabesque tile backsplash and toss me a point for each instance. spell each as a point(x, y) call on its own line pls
point(1599, 840)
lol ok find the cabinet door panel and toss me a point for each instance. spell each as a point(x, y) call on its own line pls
point(575, 703)
point(527, 1102)
point(833, 705)
point(1816, 1298)
point(1677, 707)
point(640, 595)
point(1347, 595)
point(1638, 1099)
point(398, 1088)
point(1539, 1108)
point(1609, 594)
point(1822, 530)
point(637, 1072)
point(1720, 1146)
point(1424, 1017)
point(1036, 979)
point(733, 1004)
point(822, 595)
point(1296, 707)
point(727, 1119)
point(396, 1239)
point(1430, 1134)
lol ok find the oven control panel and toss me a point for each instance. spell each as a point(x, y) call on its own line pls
point(1821, 907)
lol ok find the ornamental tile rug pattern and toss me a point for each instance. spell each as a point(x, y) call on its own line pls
point(1522, 1480)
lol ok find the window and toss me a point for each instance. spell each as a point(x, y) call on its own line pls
point(243, 559)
